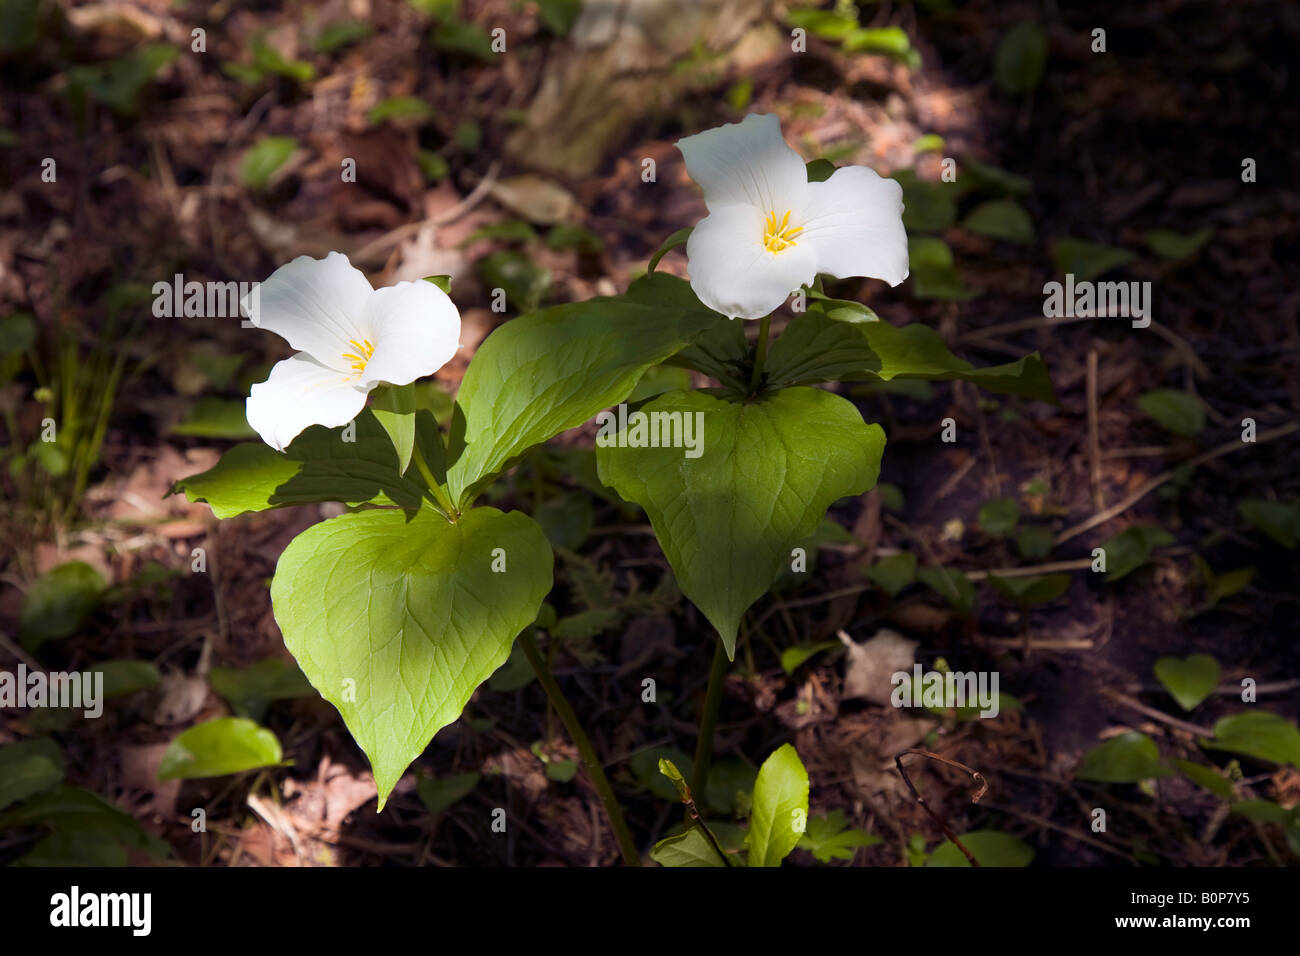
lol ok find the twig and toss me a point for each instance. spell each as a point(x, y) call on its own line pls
point(1094, 440)
point(1227, 447)
point(395, 236)
point(1154, 714)
point(943, 823)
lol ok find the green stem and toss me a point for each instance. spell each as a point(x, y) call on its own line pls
point(439, 499)
point(709, 719)
point(760, 355)
point(562, 707)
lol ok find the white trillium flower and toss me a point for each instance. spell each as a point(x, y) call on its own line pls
point(350, 338)
point(770, 231)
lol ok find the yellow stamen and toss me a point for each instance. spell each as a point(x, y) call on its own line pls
point(779, 236)
point(363, 352)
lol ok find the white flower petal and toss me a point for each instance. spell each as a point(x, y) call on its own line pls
point(854, 224)
point(316, 305)
point(734, 274)
point(417, 331)
point(747, 162)
point(299, 393)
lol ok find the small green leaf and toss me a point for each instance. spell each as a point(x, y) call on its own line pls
point(927, 206)
point(219, 747)
point(1208, 777)
point(1180, 412)
point(1020, 58)
point(820, 170)
point(407, 108)
point(1279, 520)
point(1088, 260)
point(993, 179)
point(891, 41)
point(1262, 811)
point(954, 586)
point(1132, 547)
point(463, 38)
point(265, 157)
point(689, 848)
point(831, 838)
point(669, 770)
point(59, 603)
point(442, 282)
point(1032, 589)
point(1035, 542)
point(792, 658)
point(830, 25)
point(394, 408)
point(999, 516)
point(1000, 219)
point(989, 847)
point(934, 276)
point(1260, 734)
point(1130, 757)
point(340, 34)
point(250, 690)
point(929, 143)
point(125, 677)
point(1189, 681)
point(780, 805)
point(893, 572)
point(82, 813)
point(439, 795)
point(27, 768)
point(525, 283)
point(1177, 246)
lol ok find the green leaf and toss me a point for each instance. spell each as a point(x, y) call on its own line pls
point(463, 38)
point(1088, 260)
point(822, 23)
point(843, 310)
point(263, 158)
point(893, 573)
point(396, 624)
point(119, 83)
point(1020, 58)
point(340, 34)
point(410, 108)
point(1132, 547)
point(215, 418)
point(999, 516)
point(989, 847)
point(1035, 542)
point(525, 283)
point(125, 677)
point(549, 371)
point(730, 787)
point(928, 143)
point(1177, 246)
point(1207, 777)
point(59, 603)
point(250, 690)
point(1189, 681)
point(394, 408)
point(792, 658)
point(927, 206)
point(568, 236)
point(17, 333)
point(820, 170)
point(689, 848)
point(318, 466)
point(220, 747)
point(952, 585)
point(892, 42)
point(1279, 520)
point(831, 838)
point(993, 179)
point(1000, 219)
point(1259, 734)
point(1225, 585)
point(815, 348)
point(728, 519)
point(439, 796)
point(1130, 757)
point(780, 804)
point(443, 283)
point(558, 16)
point(27, 768)
point(934, 276)
point(1180, 412)
point(678, 238)
point(1262, 811)
point(81, 813)
point(1032, 589)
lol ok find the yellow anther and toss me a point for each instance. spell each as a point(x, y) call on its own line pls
point(779, 235)
point(362, 355)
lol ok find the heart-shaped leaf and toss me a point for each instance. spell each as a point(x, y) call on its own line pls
point(1260, 734)
point(1191, 680)
point(728, 519)
point(397, 623)
point(1129, 758)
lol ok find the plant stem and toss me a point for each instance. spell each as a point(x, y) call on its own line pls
point(562, 707)
point(439, 500)
point(709, 719)
point(760, 355)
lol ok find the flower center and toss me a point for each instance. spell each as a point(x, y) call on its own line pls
point(779, 235)
point(361, 356)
